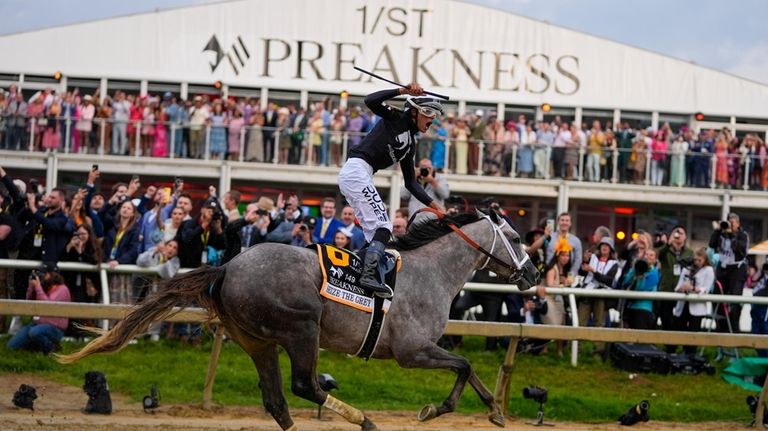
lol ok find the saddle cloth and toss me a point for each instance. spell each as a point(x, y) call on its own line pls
point(342, 270)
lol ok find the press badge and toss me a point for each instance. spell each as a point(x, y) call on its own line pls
point(204, 257)
point(676, 270)
point(38, 242)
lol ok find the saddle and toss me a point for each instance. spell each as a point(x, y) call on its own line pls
point(342, 270)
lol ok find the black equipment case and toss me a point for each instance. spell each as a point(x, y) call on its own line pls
point(644, 358)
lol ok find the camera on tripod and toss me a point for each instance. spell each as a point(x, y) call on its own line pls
point(535, 393)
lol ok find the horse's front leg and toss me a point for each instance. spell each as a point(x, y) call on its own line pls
point(434, 357)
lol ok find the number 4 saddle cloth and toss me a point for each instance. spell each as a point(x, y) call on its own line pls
point(342, 270)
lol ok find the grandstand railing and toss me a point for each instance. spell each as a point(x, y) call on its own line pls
point(495, 158)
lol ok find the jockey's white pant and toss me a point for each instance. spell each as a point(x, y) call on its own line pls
point(356, 184)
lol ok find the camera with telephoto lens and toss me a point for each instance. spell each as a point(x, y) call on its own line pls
point(34, 187)
point(636, 413)
point(535, 393)
point(685, 262)
point(725, 225)
point(752, 402)
point(36, 274)
point(641, 266)
point(424, 172)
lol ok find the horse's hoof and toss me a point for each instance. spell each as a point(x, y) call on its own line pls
point(497, 419)
point(428, 412)
point(367, 425)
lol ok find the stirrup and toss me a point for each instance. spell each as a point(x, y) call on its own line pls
point(379, 289)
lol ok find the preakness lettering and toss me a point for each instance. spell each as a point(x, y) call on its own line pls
point(531, 72)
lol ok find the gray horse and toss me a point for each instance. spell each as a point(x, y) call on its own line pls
point(263, 307)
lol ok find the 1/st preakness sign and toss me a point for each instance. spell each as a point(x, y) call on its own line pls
point(469, 52)
point(397, 42)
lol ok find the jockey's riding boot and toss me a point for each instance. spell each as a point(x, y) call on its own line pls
point(370, 279)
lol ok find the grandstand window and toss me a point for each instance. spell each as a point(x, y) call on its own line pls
point(512, 112)
point(160, 88)
point(285, 97)
point(636, 120)
point(85, 85)
point(487, 108)
point(130, 87)
point(565, 114)
point(603, 116)
point(676, 121)
point(253, 93)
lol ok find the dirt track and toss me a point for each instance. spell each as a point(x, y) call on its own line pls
point(57, 409)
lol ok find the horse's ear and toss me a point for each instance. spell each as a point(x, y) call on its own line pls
point(480, 213)
point(494, 216)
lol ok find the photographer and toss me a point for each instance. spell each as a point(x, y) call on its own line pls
point(674, 256)
point(253, 228)
point(434, 184)
point(699, 280)
point(197, 235)
point(44, 333)
point(731, 242)
point(643, 277)
point(83, 248)
point(52, 229)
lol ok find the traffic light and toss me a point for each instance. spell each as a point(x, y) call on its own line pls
point(546, 107)
point(699, 116)
point(57, 75)
point(217, 85)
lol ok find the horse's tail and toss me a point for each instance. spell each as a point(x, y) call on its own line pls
point(184, 290)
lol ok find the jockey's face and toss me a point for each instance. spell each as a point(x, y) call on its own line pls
point(422, 121)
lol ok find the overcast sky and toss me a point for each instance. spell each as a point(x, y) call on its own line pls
point(728, 35)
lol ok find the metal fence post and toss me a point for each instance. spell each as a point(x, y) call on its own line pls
point(104, 293)
point(207, 154)
point(480, 157)
point(172, 152)
point(712, 171)
point(102, 135)
point(67, 134)
point(31, 144)
point(513, 165)
point(241, 154)
point(747, 165)
point(575, 324)
point(137, 141)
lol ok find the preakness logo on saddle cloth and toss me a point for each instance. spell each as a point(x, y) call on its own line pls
point(341, 274)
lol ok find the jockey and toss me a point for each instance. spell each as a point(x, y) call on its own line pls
point(391, 140)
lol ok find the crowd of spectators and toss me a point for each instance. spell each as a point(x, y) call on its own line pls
point(645, 264)
point(211, 127)
point(158, 226)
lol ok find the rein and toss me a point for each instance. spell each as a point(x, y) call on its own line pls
point(473, 243)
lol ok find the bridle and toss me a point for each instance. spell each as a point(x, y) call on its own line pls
point(497, 234)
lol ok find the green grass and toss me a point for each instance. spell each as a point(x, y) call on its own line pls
point(592, 392)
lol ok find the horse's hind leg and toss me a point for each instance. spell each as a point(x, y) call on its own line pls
point(433, 357)
point(303, 352)
point(265, 357)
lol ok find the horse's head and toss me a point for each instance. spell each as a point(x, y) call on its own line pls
point(508, 256)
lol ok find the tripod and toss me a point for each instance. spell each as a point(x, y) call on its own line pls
point(540, 418)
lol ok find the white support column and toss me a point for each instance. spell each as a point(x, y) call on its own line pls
point(304, 99)
point(500, 111)
point(616, 118)
point(21, 82)
point(562, 197)
point(462, 108)
point(539, 116)
point(577, 116)
point(225, 178)
point(144, 88)
point(51, 171)
point(726, 208)
point(264, 101)
point(225, 91)
point(733, 125)
point(655, 120)
point(102, 89)
point(394, 193)
point(63, 85)
point(184, 93)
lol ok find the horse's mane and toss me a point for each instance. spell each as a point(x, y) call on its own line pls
point(424, 232)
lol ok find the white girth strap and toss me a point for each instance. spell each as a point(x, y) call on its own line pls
point(346, 411)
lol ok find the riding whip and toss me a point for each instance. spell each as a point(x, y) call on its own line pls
point(399, 84)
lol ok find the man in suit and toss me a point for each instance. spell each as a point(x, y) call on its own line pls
point(268, 131)
point(298, 126)
point(348, 219)
point(327, 226)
